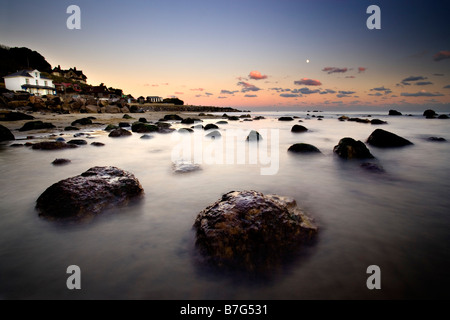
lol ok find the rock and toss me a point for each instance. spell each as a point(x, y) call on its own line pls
point(259, 118)
point(52, 145)
point(443, 116)
point(381, 138)
point(222, 122)
point(60, 139)
point(173, 117)
point(190, 120)
point(17, 145)
point(92, 109)
point(182, 166)
point(233, 118)
point(349, 148)
point(198, 126)
point(303, 148)
point(429, 114)
point(436, 139)
point(394, 113)
point(112, 109)
point(285, 119)
point(5, 134)
point(298, 128)
point(146, 136)
point(14, 116)
point(214, 135)
point(111, 127)
point(140, 127)
point(343, 118)
point(372, 167)
point(88, 194)
point(126, 116)
point(185, 130)
point(143, 120)
point(123, 124)
point(58, 162)
point(70, 128)
point(36, 125)
point(78, 142)
point(124, 109)
point(97, 144)
point(119, 133)
point(248, 120)
point(377, 121)
point(253, 136)
point(211, 126)
point(82, 121)
point(245, 116)
point(252, 231)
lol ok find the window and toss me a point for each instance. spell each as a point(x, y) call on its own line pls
point(27, 81)
point(36, 74)
point(37, 82)
point(45, 83)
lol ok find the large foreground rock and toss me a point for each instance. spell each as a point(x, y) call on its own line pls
point(385, 139)
point(349, 148)
point(5, 134)
point(88, 194)
point(250, 230)
point(36, 125)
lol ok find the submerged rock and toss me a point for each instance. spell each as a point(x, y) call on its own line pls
point(119, 133)
point(254, 136)
point(110, 127)
point(78, 142)
point(5, 134)
point(394, 113)
point(82, 121)
point(211, 126)
point(70, 128)
point(222, 122)
point(140, 127)
point(349, 148)
point(285, 119)
point(190, 120)
point(172, 117)
point(52, 145)
point(436, 139)
point(372, 167)
point(36, 125)
point(214, 135)
point(298, 128)
point(58, 162)
point(443, 116)
point(429, 114)
point(185, 130)
point(303, 148)
point(250, 230)
point(88, 194)
point(97, 144)
point(14, 116)
point(377, 121)
point(146, 136)
point(385, 139)
point(182, 166)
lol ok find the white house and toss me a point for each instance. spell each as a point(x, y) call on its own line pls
point(31, 81)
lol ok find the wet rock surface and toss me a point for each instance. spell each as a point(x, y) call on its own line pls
point(349, 148)
point(88, 194)
point(119, 133)
point(298, 128)
point(52, 145)
point(36, 125)
point(303, 148)
point(385, 139)
point(251, 231)
point(5, 134)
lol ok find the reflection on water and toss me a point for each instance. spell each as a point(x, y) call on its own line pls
point(397, 220)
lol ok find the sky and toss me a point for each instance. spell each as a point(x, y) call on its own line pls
point(248, 53)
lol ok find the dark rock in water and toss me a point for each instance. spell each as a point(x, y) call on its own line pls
point(82, 121)
point(254, 136)
point(285, 119)
point(111, 127)
point(245, 116)
point(259, 118)
point(97, 144)
point(443, 116)
point(394, 113)
point(146, 136)
point(81, 134)
point(383, 139)
point(70, 128)
point(60, 139)
point(343, 118)
point(143, 120)
point(14, 116)
point(88, 194)
point(436, 139)
point(298, 128)
point(166, 130)
point(303, 148)
point(372, 167)
point(233, 118)
point(36, 125)
point(248, 120)
point(185, 166)
point(185, 130)
point(211, 126)
point(58, 162)
point(429, 114)
point(190, 120)
point(349, 148)
point(359, 120)
point(126, 116)
point(173, 117)
point(5, 134)
point(214, 135)
point(52, 145)
point(252, 231)
point(78, 142)
point(17, 145)
point(222, 122)
point(377, 121)
point(119, 133)
point(123, 124)
point(140, 127)
point(198, 126)
point(163, 125)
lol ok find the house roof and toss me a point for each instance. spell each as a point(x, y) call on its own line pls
point(37, 87)
point(21, 73)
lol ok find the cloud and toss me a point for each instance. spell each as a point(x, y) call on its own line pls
point(421, 94)
point(208, 94)
point(350, 77)
point(228, 92)
point(308, 82)
point(155, 85)
point(305, 90)
point(377, 94)
point(413, 78)
point(345, 94)
point(326, 91)
point(222, 97)
point(330, 70)
point(250, 96)
point(423, 83)
point(438, 74)
point(247, 86)
point(289, 95)
point(361, 69)
point(441, 55)
point(178, 92)
point(256, 75)
point(198, 89)
point(447, 87)
point(385, 90)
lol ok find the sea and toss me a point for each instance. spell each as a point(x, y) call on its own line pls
point(397, 220)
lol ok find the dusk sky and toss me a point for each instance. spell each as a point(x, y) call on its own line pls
point(247, 53)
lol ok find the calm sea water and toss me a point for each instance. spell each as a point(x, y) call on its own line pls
point(398, 220)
